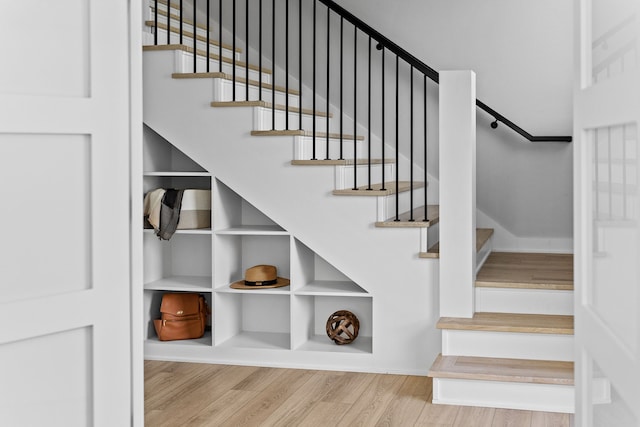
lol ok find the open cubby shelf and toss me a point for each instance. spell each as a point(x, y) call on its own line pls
point(207, 261)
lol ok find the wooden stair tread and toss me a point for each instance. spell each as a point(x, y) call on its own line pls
point(507, 370)
point(376, 189)
point(482, 236)
point(340, 162)
point(433, 216)
point(266, 104)
point(297, 132)
point(527, 271)
point(511, 322)
point(189, 34)
point(200, 52)
point(227, 76)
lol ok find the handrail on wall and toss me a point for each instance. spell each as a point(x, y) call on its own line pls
point(384, 42)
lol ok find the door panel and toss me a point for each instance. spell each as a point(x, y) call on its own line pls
point(65, 286)
point(607, 210)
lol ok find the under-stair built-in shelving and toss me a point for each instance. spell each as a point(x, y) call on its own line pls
point(291, 319)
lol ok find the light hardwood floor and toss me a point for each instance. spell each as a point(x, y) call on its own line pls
point(190, 394)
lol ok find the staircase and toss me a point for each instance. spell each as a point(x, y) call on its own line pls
point(239, 121)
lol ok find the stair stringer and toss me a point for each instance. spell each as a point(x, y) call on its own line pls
point(339, 229)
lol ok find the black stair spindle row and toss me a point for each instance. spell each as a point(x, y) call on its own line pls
point(357, 77)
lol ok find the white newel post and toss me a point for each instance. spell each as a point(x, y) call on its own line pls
point(457, 193)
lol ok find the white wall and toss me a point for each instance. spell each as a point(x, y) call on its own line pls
point(521, 52)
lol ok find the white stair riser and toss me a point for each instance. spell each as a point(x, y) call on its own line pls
point(510, 345)
point(386, 206)
point(187, 41)
point(303, 148)
point(344, 175)
point(483, 254)
point(507, 395)
point(262, 120)
point(429, 237)
point(527, 301)
point(223, 92)
point(184, 64)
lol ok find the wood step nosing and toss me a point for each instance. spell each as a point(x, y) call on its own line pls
point(199, 52)
point(341, 162)
point(390, 189)
point(268, 105)
point(303, 133)
point(227, 76)
point(511, 322)
point(189, 34)
point(503, 370)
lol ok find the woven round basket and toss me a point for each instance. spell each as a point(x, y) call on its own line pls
point(342, 327)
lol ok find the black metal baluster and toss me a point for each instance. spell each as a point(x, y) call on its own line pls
point(383, 109)
point(168, 21)
point(286, 74)
point(369, 117)
point(246, 46)
point(155, 22)
point(181, 20)
point(341, 83)
point(300, 64)
point(220, 37)
point(313, 132)
point(195, 38)
point(397, 145)
point(208, 34)
point(411, 145)
point(273, 65)
point(426, 182)
point(233, 62)
point(355, 106)
point(327, 157)
point(260, 50)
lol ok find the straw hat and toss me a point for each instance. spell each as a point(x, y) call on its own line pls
point(261, 277)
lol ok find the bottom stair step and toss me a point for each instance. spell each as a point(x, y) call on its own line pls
point(508, 370)
point(534, 385)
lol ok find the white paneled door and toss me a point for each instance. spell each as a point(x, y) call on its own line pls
point(607, 211)
point(65, 339)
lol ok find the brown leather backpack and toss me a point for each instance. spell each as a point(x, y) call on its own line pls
point(183, 316)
